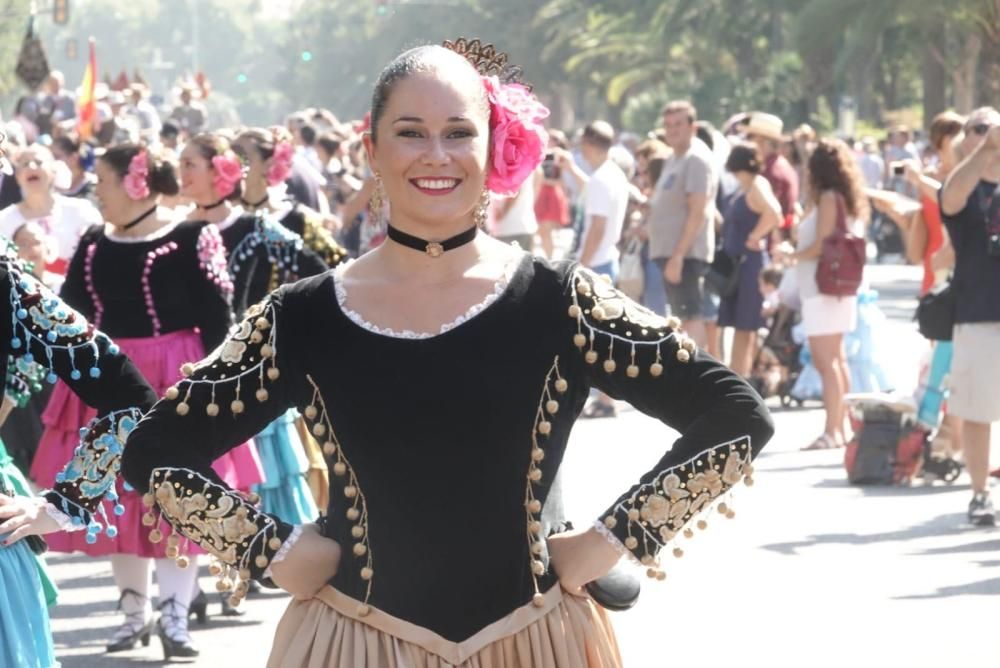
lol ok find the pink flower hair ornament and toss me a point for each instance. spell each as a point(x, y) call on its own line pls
point(136, 180)
point(281, 163)
point(228, 172)
point(519, 138)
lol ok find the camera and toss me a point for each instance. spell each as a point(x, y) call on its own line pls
point(550, 169)
point(898, 169)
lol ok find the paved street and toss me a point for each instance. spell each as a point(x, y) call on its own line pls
point(812, 572)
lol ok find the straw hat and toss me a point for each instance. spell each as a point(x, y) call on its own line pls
point(765, 125)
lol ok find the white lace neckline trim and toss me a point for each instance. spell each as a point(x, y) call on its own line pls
point(499, 288)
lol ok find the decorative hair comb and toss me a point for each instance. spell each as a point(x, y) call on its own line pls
point(487, 60)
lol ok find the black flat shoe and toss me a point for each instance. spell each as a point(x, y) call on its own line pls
point(199, 608)
point(171, 647)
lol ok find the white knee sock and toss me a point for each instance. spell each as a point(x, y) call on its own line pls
point(175, 584)
point(133, 573)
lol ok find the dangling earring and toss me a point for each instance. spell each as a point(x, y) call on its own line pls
point(482, 210)
point(377, 201)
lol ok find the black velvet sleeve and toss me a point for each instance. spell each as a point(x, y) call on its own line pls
point(42, 332)
point(633, 354)
point(212, 288)
point(316, 238)
point(223, 400)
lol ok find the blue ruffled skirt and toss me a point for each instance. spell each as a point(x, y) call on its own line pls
point(285, 492)
point(25, 635)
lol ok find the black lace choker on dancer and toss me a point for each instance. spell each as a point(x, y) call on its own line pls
point(432, 248)
point(141, 218)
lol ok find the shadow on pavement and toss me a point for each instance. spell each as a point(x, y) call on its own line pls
point(885, 490)
point(940, 525)
point(989, 587)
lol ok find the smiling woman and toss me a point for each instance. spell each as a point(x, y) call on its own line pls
point(443, 372)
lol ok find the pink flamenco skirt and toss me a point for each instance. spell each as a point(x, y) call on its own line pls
point(159, 359)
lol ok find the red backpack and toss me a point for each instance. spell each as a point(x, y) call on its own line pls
point(842, 260)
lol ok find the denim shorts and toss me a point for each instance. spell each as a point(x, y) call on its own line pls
point(687, 298)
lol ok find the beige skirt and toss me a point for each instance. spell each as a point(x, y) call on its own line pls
point(325, 632)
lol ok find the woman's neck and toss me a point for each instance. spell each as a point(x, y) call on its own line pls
point(144, 215)
point(37, 204)
point(255, 193)
point(214, 214)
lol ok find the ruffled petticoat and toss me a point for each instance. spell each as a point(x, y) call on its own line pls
point(566, 632)
point(159, 359)
point(285, 492)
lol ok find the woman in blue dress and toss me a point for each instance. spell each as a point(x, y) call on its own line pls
point(748, 220)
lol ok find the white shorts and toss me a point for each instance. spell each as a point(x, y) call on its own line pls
point(823, 315)
point(974, 380)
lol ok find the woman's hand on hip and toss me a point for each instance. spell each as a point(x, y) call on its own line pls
point(581, 556)
point(309, 565)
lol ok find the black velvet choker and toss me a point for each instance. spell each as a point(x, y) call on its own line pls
point(255, 205)
point(212, 206)
point(141, 218)
point(432, 248)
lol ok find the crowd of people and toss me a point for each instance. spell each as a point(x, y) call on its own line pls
point(163, 231)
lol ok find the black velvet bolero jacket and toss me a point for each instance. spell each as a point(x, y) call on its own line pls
point(442, 449)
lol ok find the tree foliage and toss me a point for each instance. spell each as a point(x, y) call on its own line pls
point(618, 59)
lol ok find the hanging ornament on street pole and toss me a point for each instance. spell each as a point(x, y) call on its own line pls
point(32, 65)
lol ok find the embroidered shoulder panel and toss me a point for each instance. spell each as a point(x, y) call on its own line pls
point(316, 237)
point(89, 477)
point(247, 357)
point(653, 514)
point(46, 330)
point(606, 319)
point(212, 259)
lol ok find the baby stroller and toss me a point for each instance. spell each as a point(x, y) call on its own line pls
point(777, 364)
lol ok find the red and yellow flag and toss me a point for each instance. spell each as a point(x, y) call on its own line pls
point(86, 104)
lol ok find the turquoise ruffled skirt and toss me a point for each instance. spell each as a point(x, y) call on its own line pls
point(25, 635)
point(285, 492)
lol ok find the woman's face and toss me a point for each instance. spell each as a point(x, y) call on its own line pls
point(433, 143)
point(112, 199)
point(33, 170)
point(197, 175)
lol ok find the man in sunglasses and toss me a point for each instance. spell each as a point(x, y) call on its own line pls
point(970, 207)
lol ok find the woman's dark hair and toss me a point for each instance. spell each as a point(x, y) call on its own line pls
point(744, 157)
point(265, 139)
point(211, 144)
point(946, 124)
point(329, 142)
point(654, 169)
point(162, 177)
point(419, 59)
point(832, 167)
point(308, 134)
point(704, 131)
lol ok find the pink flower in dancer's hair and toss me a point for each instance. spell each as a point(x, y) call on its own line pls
point(136, 180)
point(281, 163)
point(228, 172)
point(519, 139)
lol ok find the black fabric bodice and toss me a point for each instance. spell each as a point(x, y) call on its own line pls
point(139, 289)
point(435, 484)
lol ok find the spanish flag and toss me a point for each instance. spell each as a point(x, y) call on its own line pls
point(87, 105)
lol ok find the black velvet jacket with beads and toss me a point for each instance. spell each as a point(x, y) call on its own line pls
point(443, 448)
point(42, 339)
point(262, 255)
point(174, 280)
point(308, 225)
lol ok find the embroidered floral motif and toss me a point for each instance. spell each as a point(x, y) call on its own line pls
point(655, 512)
point(212, 259)
point(232, 352)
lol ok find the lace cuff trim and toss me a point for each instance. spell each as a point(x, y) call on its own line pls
point(499, 288)
point(285, 549)
point(64, 521)
point(615, 543)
